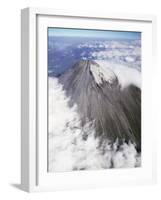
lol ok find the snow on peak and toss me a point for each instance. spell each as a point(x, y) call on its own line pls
point(125, 75)
point(102, 74)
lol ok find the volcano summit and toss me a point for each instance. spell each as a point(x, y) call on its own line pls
point(97, 92)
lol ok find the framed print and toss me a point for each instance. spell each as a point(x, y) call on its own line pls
point(86, 99)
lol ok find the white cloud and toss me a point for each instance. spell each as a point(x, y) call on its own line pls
point(129, 59)
point(118, 51)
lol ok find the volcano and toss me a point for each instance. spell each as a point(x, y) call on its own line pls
point(97, 92)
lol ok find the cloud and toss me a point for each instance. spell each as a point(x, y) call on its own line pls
point(121, 51)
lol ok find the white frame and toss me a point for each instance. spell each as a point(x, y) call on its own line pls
point(29, 93)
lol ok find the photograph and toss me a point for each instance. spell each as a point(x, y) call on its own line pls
point(94, 99)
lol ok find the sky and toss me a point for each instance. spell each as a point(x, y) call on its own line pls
point(69, 32)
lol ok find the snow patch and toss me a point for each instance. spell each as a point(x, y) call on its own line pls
point(102, 74)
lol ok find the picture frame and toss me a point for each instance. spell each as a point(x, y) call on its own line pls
point(34, 172)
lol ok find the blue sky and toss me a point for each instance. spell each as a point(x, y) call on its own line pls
point(67, 32)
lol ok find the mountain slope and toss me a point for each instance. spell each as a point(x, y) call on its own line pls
point(115, 112)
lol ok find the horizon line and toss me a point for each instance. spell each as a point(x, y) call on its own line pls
point(92, 33)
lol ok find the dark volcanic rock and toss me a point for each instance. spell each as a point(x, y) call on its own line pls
point(116, 112)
